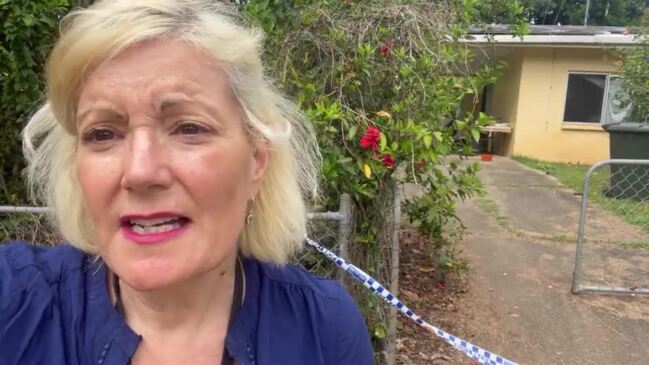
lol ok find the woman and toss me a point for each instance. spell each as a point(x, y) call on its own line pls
point(177, 174)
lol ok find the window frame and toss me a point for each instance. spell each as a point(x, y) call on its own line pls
point(603, 101)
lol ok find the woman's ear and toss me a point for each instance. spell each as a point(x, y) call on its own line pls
point(260, 157)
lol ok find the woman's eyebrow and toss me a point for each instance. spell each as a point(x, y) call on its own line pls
point(172, 100)
point(108, 112)
point(177, 100)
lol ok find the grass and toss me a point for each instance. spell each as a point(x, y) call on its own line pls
point(489, 207)
point(635, 244)
point(572, 176)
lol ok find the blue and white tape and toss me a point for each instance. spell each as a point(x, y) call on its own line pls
point(474, 352)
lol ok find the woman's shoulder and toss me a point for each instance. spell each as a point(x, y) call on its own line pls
point(292, 286)
point(52, 262)
point(297, 277)
point(35, 283)
point(326, 296)
point(322, 316)
point(26, 267)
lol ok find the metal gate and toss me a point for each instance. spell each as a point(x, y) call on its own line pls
point(612, 253)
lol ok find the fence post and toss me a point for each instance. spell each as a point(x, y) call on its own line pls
point(344, 233)
point(582, 226)
point(394, 274)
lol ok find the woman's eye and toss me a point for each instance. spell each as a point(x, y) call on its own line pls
point(98, 135)
point(190, 129)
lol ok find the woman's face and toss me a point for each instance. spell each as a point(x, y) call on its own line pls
point(166, 168)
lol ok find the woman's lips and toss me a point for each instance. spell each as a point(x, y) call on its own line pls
point(152, 237)
point(152, 228)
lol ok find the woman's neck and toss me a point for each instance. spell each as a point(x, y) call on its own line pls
point(200, 304)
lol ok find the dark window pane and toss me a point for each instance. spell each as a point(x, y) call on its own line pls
point(584, 98)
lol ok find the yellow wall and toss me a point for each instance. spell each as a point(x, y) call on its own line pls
point(505, 102)
point(537, 117)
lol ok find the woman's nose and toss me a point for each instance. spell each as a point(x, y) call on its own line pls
point(145, 162)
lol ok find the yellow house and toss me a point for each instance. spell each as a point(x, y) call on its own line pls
point(557, 90)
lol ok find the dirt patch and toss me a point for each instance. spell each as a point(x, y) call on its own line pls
point(439, 302)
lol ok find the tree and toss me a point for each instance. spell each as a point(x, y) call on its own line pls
point(634, 73)
point(569, 12)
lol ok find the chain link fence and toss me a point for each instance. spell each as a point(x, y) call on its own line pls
point(29, 224)
point(613, 239)
point(332, 229)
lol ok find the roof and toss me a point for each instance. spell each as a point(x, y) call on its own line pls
point(553, 36)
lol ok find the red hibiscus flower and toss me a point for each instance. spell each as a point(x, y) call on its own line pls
point(385, 48)
point(388, 161)
point(371, 138)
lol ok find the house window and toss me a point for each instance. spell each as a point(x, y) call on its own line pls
point(593, 98)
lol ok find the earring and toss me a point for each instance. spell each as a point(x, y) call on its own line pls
point(250, 217)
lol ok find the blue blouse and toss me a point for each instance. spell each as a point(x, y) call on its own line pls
point(55, 309)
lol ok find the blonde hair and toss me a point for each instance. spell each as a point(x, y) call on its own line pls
point(93, 35)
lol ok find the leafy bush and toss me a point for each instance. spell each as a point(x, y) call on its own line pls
point(634, 72)
point(382, 83)
point(27, 31)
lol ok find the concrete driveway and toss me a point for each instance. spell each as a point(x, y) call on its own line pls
point(521, 245)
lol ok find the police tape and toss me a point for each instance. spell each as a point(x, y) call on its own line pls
point(474, 352)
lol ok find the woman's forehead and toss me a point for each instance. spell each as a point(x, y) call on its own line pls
point(171, 57)
point(164, 73)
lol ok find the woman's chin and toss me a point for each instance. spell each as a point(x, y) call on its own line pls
point(151, 277)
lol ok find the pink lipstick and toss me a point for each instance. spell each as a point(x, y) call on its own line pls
point(153, 228)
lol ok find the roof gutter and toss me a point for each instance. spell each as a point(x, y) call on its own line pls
point(572, 41)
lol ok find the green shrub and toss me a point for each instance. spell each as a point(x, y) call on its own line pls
point(634, 72)
point(382, 82)
point(27, 32)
